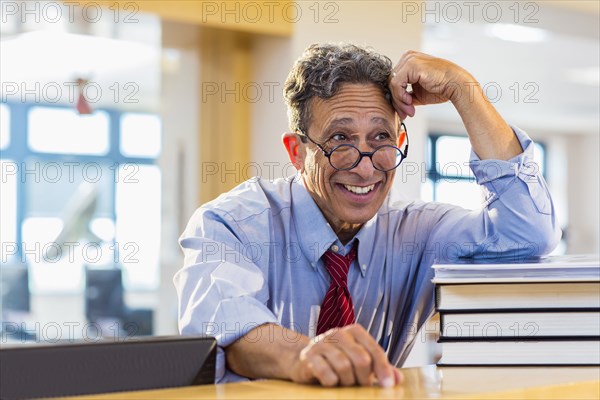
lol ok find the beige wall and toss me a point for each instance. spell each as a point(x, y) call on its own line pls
point(583, 193)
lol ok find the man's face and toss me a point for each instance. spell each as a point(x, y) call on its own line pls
point(359, 115)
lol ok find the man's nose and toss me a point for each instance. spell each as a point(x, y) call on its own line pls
point(365, 168)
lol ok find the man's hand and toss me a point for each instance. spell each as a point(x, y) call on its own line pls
point(341, 356)
point(344, 356)
point(433, 80)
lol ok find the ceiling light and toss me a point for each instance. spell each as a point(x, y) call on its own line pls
point(517, 33)
point(584, 76)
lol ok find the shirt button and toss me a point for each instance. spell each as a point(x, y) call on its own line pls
point(335, 248)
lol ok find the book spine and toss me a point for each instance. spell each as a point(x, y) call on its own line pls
point(441, 363)
point(520, 339)
point(520, 323)
point(517, 310)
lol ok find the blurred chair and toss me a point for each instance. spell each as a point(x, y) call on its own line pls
point(103, 294)
point(105, 305)
point(15, 302)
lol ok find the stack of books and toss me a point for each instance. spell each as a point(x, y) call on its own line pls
point(543, 311)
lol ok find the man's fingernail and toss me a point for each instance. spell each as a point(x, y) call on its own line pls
point(387, 382)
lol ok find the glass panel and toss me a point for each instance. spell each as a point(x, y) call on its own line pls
point(59, 277)
point(140, 135)
point(38, 235)
point(61, 130)
point(103, 229)
point(52, 270)
point(4, 126)
point(461, 193)
point(64, 197)
point(8, 210)
point(67, 182)
point(427, 190)
point(429, 152)
point(57, 250)
point(138, 211)
point(538, 156)
point(453, 156)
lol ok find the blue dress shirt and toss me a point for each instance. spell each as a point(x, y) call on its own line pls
point(252, 256)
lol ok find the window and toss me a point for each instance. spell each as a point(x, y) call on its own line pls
point(449, 178)
point(4, 126)
point(8, 210)
point(62, 130)
point(138, 223)
point(80, 191)
point(140, 135)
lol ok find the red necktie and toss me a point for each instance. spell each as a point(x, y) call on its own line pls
point(337, 308)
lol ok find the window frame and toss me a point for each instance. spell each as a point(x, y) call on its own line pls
point(435, 177)
point(18, 151)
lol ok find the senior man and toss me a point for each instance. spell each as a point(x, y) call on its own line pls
point(323, 278)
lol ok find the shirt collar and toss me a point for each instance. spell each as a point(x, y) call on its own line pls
point(315, 235)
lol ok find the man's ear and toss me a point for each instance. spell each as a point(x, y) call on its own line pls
point(401, 138)
point(295, 151)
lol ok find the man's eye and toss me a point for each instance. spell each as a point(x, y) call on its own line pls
point(338, 137)
point(383, 136)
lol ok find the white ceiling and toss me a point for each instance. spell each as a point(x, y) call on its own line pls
point(553, 85)
point(547, 77)
point(122, 62)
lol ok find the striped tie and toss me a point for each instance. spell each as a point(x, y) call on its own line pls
point(337, 308)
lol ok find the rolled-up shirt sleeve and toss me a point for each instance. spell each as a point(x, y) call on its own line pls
point(221, 292)
point(517, 216)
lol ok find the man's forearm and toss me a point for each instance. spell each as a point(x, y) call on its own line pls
point(341, 356)
point(267, 351)
point(490, 135)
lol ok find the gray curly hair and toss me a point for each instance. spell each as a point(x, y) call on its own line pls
point(323, 68)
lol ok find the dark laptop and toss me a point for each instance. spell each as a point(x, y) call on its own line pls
point(106, 366)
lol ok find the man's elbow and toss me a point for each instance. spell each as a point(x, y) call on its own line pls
point(542, 238)
point(550, 240)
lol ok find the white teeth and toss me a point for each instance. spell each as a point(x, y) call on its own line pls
point(359, 189)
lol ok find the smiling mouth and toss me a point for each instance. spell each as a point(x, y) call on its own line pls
point(359, 189)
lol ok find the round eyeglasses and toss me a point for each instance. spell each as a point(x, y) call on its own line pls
point(345, 157)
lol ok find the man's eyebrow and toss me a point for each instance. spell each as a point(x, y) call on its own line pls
point(383, 121)
point(342, 122)
point(336, 123)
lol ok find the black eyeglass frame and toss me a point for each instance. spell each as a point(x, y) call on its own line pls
point(403, 154)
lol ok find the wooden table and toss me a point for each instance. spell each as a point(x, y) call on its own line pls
point(423, 382)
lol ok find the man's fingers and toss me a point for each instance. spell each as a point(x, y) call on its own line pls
point(361, 361)
point(404, 95)
point(399, 85)
point(353, 358)
point(399, 376)
point(322, 370)
point(381, 366)
point(409, 110)
point(404, 110)
point(431, 79)
point(341, 364)
point(401, 97)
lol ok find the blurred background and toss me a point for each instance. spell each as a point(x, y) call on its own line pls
point(118, 119)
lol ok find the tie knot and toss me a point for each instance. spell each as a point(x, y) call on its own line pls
point(338, 265)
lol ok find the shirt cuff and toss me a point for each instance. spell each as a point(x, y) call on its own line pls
point(489, 170)
point(497, 176)
point(237, 317)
